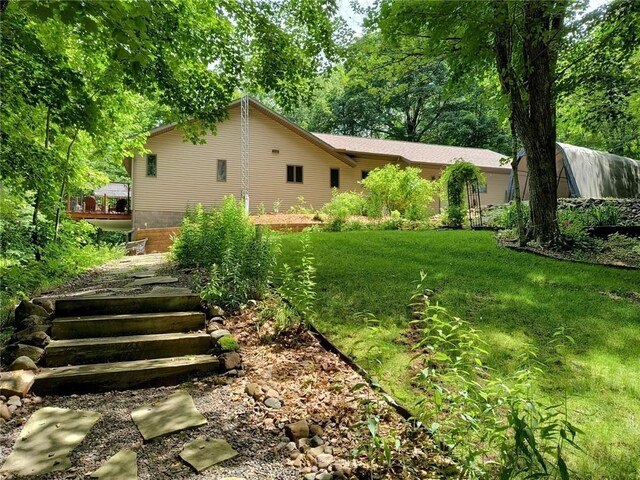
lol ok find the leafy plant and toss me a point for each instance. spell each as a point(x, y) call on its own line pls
point(493, 426)
point(297, 285)
point(605, 215)
point(240, 254)
point(456, 177)
point(345, 204)
point(403, 189)
point(261, 209)
point(507, 216)
point(302, 207)
point(276, 206)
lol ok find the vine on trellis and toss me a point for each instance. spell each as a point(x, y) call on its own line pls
point(455, 178)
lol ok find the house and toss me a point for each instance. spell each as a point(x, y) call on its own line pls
point(586, 173)
point(285, 162)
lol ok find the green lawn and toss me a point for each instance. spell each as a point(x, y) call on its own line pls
point(513, 298)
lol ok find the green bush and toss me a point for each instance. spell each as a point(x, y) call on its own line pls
point(241, 255)
point(344, 205)
point(507, 216)
point(403, 189)
point(605, 215)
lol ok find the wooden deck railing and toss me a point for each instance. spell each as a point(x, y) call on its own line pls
point(98, 207)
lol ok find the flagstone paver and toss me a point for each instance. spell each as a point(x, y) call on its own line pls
point(203, 453)
point(122, 466)
point(152, 281)
point(175, 412)
point(47, 439)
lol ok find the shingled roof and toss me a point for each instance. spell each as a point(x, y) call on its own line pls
point(413, 152)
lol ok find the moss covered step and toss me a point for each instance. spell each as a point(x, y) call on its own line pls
point(101, 305)
point(121, 375)
point(124, 348)
point(126, 324)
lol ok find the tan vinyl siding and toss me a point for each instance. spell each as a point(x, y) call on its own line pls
point(187, 173)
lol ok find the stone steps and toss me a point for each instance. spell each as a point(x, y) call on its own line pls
point(80, 351)
point(106, 343)
point(100, 305)
point(126, 324)
point(121, 375)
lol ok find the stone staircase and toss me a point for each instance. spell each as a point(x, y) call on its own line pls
point(114, 343)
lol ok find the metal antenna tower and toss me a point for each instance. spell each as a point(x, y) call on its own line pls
point(244, 149)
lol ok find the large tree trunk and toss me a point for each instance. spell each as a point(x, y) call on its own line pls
point(515, 162)
point(532, 103)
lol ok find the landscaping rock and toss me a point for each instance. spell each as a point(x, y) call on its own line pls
point(23, 363)
point(27, 309)
point(38, 338)
point(215, 311)
point(4, 412)
point(122, 466)
point(218, 334)
point(14, 400)
point(296, 431)
point(22, 350)
point(152, 281)
point(253, 390)
point(16, 383)
point(230, 360)
point(324, 476)
point(214, 326)
point(316, 441)
point(316, 430)
point(274, 403)
point(47, 303)
point(324, 460)
point(203, 453)
point(36, 322)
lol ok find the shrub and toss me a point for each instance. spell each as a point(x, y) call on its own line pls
point(403, 189)
point(455, 177)
point(343, 205)
point(605, 215)
point(301, 207)
point(507, 216)
point(241, 256)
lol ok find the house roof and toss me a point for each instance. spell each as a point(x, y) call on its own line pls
point(413, 152)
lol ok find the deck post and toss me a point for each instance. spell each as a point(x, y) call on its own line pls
point(104, 203)
point(68, 202)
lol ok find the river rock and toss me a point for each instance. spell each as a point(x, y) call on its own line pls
point(274, 403)
point(27, 309)
point(296, 431)
point(230, 360)
point(23, 350)
point(5, 413)
point(324, 460)
point(46, 303)
point(34, 322)
point(23, 363)
point(16, 383)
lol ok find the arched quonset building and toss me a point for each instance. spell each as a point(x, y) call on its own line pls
point(586, 173)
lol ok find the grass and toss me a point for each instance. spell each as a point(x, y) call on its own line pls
point(514, 298)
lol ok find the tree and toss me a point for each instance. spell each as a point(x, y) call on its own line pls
point(599, 84)
point(521, 40)
point(383, 90)
point(91, 77)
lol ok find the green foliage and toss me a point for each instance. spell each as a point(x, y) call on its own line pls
point(605, 215)
point(302, 207)
point(456, 177)
point(228, 344)
point(507, 216)
point(240, 254)
point(495, 427)
point(344, 205)
point(403, 189)
point(297, 285)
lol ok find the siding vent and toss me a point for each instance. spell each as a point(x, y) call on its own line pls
point(221, 172)
point(275, 150)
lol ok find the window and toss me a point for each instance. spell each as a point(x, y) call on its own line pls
point(222, 171)
point(481, 188)
point(294, 173)
point(152, 165)
point(365, 174)
point(335, 178)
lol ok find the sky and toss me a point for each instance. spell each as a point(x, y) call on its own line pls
point(354, 20)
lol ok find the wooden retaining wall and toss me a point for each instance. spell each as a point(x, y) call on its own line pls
point(160, 239)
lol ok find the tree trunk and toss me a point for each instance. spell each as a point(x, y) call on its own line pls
point(532, 103)
point(515, 162)
point(63, 187)
point(35, 234)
